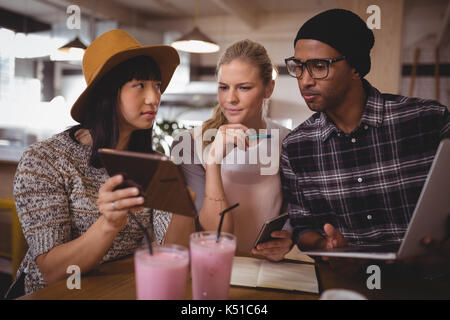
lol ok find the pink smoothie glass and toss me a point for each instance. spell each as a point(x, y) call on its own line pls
point(211, 264)
point(161, 276)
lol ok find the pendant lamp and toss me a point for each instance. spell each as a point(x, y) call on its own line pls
point(75, 43)
point(196, 41)
point(74, 50)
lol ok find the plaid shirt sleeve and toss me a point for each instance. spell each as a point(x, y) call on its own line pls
point(300, 217)
point(366, 183)
point(445, 131)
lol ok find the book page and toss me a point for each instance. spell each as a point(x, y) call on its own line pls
point(245, 271)
point(296, 254)
point(288, 276)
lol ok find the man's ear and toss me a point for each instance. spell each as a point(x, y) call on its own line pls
point(355, 74)
point(269, 89)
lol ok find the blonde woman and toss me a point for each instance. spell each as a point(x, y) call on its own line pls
point(217, 157)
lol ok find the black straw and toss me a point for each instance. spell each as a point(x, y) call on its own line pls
point(146, 233)
point(222, 214)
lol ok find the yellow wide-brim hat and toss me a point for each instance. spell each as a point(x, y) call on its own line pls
point(113, 48)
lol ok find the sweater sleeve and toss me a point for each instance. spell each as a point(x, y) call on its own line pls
point(42, 202)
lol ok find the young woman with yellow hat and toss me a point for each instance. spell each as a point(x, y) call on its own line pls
point(69, 211)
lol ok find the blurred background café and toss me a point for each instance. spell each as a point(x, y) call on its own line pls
point(42, 42)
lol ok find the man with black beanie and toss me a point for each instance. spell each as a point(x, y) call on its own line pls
point(352, 173)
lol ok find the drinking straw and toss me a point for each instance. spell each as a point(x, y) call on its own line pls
point(145, 230)
point(222, 214)
point(260, 136)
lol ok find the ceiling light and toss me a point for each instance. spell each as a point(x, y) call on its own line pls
point(74, 50)
point(195, 42)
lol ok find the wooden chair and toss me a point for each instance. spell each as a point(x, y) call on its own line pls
point(19, 244)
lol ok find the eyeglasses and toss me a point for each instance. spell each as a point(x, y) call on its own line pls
point(317, 68)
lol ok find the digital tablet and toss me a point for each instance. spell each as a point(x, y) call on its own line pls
point(270, 226)
point(158, 178)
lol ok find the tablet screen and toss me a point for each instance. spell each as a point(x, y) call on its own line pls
point(156, 176)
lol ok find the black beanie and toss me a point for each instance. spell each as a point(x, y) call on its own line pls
point(344, 31)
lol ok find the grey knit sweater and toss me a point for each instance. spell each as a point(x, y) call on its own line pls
point(55, 192)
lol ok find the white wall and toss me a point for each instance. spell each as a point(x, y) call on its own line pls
point(287, 102)
point(276, 31)
point(423, 20)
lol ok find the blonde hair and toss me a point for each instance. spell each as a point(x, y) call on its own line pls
point(251, 52)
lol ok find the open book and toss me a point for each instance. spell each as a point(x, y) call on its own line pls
point(251, 272)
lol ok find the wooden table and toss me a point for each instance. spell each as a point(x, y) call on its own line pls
point(115, 281)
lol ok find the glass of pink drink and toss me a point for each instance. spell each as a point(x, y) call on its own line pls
point(211, 264)
point(161, 276)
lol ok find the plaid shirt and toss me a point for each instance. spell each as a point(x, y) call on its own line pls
point(366, 183)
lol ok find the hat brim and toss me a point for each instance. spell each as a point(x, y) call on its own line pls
point(166, 58)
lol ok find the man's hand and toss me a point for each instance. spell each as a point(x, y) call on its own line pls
point(437, 258)
point(275, 250)
point(335, 239)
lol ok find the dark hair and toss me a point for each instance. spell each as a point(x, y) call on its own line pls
point(101, 118)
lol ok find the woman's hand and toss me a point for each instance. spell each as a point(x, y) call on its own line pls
point(115, 205)
point(228, 134)
point(275, 250)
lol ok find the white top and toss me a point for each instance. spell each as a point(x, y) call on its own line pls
point(250, 178)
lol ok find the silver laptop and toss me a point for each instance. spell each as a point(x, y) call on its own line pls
point(430, 218)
